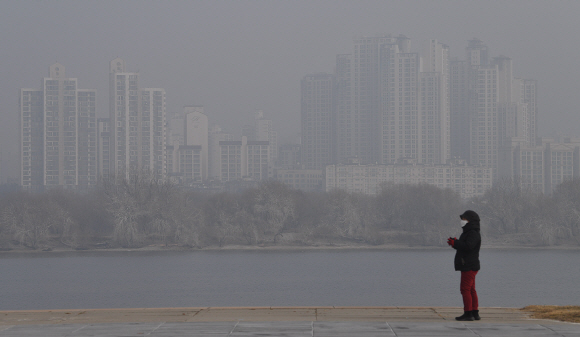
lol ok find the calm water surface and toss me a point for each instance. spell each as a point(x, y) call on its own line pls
point(75, 280)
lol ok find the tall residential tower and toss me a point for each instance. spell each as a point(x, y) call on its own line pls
point(58, 134)
point(137, 124)
point(318, 121)
point(392, 104)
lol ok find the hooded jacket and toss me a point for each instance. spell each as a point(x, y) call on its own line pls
point(467, 248)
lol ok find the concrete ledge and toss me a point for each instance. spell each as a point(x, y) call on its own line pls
point(260, 314)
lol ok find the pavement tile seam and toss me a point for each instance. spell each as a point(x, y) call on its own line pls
point(561, 333)
point(157, 327)
point(393, 331)
point(554, 321)
point(234, 328)
point(475, 333)
point(79, 329)
point(306, 329)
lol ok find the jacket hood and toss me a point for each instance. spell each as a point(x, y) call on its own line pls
point(472, 225)
point(470, 216)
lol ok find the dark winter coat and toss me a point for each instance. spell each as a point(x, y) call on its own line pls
point(467, 246)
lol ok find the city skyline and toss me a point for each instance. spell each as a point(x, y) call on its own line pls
point(63, 143)
point(383, 105)
point(424, 66)
point(403, 117)
point(236, 57)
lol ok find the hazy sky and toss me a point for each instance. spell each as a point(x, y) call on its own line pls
point(234, 57)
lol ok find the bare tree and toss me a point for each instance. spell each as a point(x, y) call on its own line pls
point(566, 197)
point(139, 204)
point(189, 220)
point(504, 206)
point(343, 215)
point(31, 219)
point(220, 217)
point(273, 204)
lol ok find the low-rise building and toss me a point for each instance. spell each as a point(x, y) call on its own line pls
point(184, 163)
point(302, 179)
point(540, 167)
point(244, 160)
point(468, 181)
point(288, 156)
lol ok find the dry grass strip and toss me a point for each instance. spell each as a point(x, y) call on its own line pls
point(560, 313)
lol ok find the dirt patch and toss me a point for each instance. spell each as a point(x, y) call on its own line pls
point(560, 313)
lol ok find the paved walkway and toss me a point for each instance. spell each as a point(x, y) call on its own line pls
point(278, 321)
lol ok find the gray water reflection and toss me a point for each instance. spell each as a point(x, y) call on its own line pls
point(408, 277)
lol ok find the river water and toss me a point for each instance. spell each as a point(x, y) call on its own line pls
point(406, 277)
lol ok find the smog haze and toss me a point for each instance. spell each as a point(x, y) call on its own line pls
point(234, 57)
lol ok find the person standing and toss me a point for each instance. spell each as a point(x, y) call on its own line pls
point(467, 261)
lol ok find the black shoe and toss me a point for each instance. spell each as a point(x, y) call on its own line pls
point(467, 316)
point(475, 314)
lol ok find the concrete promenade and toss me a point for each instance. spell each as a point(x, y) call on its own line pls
point(278, 321)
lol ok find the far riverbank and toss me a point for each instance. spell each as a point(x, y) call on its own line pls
point(173, 248)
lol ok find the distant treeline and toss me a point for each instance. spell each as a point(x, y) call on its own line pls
point(139, 211)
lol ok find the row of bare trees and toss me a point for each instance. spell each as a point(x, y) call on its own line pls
point(140, 210)
point(526, 216)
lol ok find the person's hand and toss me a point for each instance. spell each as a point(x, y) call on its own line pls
point(451, 241)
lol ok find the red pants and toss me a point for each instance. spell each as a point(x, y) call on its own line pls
point(467, 287)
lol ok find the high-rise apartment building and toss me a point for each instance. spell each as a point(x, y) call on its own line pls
point(345, 119)
point(373, 59)
point(138, 127)
point(58, 134)
point(87, 138)
point(459, 110)
point(103, 147)
point(433, 120)
point(471, 105)
point(497, 107)
point(32, 139)
point(391, 104)
point(196, 134)
point(483, 95)
point(175, 123)
point(528, 95)
point(512, 112)
point(318, 123)
point(262, 130)
point(187, 156)
point(435, 114)
point(401, 121)
point(215, 136)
